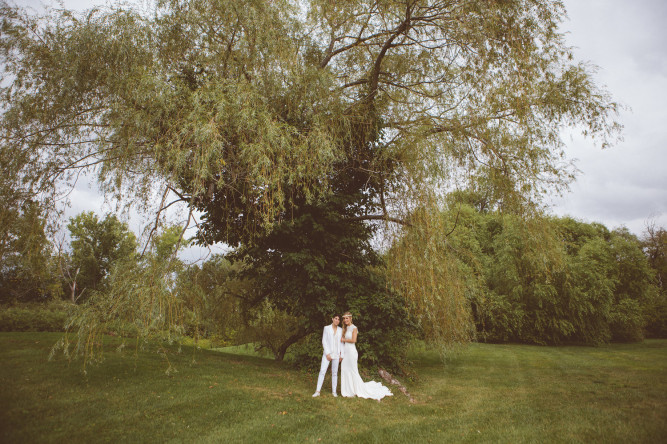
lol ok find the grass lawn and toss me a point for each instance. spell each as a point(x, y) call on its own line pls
point(490, 393)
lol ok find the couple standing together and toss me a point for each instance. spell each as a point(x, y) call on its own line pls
point(339, 346)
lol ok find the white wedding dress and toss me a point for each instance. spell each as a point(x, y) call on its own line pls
point(351, 383)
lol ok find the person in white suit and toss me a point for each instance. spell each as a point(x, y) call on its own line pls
point(333, 353)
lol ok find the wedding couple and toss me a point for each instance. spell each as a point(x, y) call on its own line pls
point(339, 346)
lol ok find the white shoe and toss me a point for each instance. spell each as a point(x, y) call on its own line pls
point(316, 394)
point(335, 395)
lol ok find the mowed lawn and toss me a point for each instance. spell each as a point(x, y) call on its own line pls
point(489, 393)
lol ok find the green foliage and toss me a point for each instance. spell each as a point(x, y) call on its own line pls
point(167, 243)
point(635, 287)
point(422, 259)
point(51, 316)
point(550, 280)
point(655, 246)
point(656, 317)
point(138, 303)
point(97, 246)
point(249, 111)
point(590, 288)
point(523, 266)
point(270, 328)
point(137, 300)
point(212, 298)
point(27, 271)
point(626, 321)
point(386, 328)
point(319, 264)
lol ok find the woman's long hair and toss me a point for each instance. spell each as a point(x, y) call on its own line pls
point(347, 313)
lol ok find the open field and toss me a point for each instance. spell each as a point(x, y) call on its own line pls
point(490, 393)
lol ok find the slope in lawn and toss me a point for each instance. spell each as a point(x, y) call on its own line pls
point(489, 393)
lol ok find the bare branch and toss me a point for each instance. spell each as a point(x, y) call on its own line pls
point(380, 217)
point(157, 220)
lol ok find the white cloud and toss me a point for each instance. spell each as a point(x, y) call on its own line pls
point(626, 184)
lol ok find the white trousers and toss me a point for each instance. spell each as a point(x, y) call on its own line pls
point(323, 372)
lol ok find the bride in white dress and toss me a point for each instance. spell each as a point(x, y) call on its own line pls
point(350, 380)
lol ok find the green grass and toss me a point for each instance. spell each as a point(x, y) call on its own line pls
point(245, 350)
point(489, 393)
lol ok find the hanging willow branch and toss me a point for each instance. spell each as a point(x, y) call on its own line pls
point(254, 111)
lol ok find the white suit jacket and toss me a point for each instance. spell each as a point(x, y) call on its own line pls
point(331, 342)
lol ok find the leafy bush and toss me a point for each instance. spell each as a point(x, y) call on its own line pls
point(307, 353)
point(656, 316)
point(35, 317)
point(496, 318)
point(627, 321)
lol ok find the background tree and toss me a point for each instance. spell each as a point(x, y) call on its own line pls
point(248, 112)
point(137, 298)
point(214, 298)
point(550, 280)
point(635, 287)
point(654, 242)
point(96, 245)
point(27, 271)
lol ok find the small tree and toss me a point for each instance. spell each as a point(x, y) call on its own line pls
point(27, 271)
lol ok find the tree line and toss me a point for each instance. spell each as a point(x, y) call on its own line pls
point(546, 280)
point(557, 280)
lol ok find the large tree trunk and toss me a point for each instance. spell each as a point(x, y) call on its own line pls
point(279, 354)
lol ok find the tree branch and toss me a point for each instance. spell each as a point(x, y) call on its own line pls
point(375, 74)
point(157, 219)
point(380, 217)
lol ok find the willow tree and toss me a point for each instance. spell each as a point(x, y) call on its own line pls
point(248, 111)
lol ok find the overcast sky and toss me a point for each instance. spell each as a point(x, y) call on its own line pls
point(625, 185)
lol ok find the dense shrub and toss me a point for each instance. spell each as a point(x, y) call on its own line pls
point(35, 317)
point(626, 321)
point(555, 280)
point(307, 353)
point(656, 316)
point(654, 242)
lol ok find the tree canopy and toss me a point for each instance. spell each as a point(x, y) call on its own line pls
point(249, 112)
point(97, 245)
